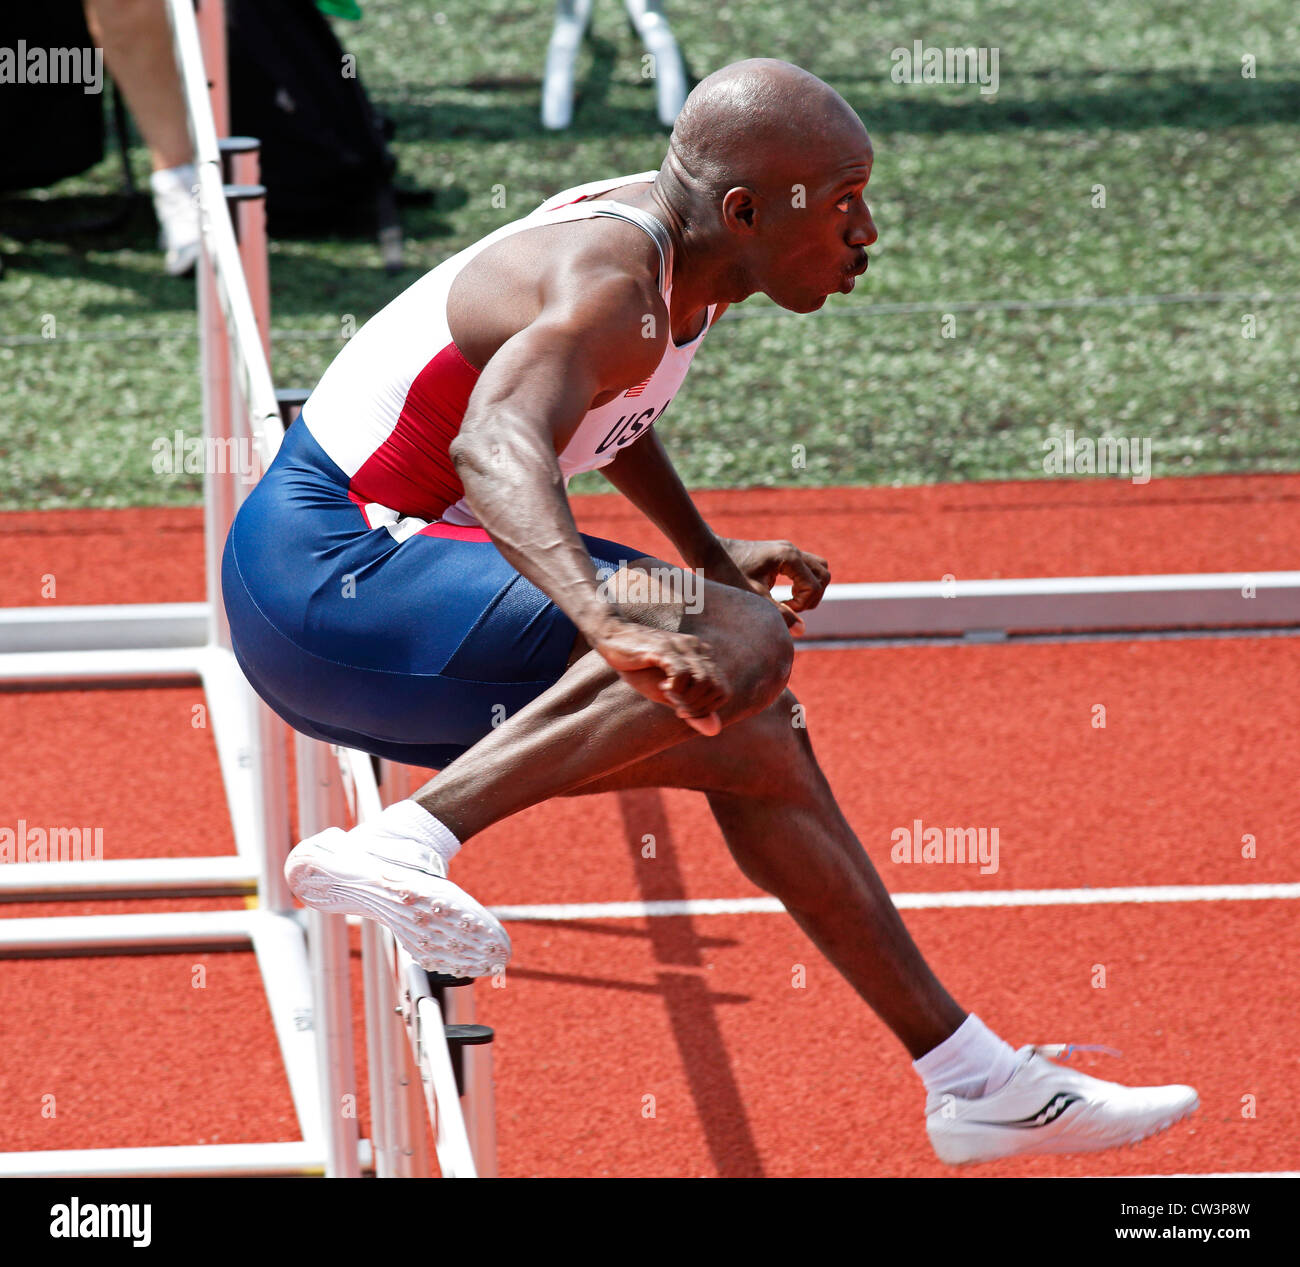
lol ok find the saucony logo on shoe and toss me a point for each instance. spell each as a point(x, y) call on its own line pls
point(1045, 1116)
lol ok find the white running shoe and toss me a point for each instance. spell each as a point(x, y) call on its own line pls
point(404, 886)
point(177, 210)
point(1046, 1108)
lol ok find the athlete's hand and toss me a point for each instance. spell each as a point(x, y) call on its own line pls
point(673, 669)
point(761, 562)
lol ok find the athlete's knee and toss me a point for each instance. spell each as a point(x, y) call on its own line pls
point(750, 642)
point(760, 652)
point(745, 632)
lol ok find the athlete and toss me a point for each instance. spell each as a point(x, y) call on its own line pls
point(407, 579)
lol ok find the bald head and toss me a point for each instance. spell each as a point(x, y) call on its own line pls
point(763, 188)
point(760, 123)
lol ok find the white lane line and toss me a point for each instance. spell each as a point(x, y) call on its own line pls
point(913, 901)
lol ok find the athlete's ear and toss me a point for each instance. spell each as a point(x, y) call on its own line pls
point(739, 207)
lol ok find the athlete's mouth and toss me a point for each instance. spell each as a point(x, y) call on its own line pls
point(851, 275)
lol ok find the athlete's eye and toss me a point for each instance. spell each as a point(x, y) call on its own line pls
point(843, 202)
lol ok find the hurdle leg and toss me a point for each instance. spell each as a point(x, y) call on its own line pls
point(474, 1060)
point(319, 798)
point(477, 1093)
point(218, 492)
point(381, 1018)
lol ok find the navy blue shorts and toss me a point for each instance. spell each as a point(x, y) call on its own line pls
point(411, 650)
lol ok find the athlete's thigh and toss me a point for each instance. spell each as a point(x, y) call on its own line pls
point(429, 640)
point(752, 757)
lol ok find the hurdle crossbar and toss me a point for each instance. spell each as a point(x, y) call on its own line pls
point(1066, 604)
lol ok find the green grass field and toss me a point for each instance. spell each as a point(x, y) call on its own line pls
point(979, 200)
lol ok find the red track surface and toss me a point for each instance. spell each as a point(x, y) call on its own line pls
point(749, 1074)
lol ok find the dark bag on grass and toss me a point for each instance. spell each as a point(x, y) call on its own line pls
point(51, 130)
point(325, 159)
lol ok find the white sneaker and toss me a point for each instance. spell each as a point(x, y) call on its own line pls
point(404, 886)
point(1046, 1108)
point(177, 210)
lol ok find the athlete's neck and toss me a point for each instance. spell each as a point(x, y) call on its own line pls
point(698, 280)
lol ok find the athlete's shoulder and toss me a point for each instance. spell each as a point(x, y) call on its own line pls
point(598, 248)
point(607, 287)
point(609, 318)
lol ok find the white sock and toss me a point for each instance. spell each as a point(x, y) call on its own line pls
point(971, 1062)
point(407, 820)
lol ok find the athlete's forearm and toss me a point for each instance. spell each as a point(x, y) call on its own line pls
point(513, 484)
point(645, 475)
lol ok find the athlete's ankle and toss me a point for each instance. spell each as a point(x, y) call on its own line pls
point(973, 1061)
point(410, 821)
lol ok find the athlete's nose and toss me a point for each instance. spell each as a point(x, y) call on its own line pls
point(864, 232)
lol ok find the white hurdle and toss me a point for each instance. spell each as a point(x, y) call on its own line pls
point(189, 643)
point(302, 956)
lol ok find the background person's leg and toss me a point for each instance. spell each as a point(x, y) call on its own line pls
point(137, 42)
